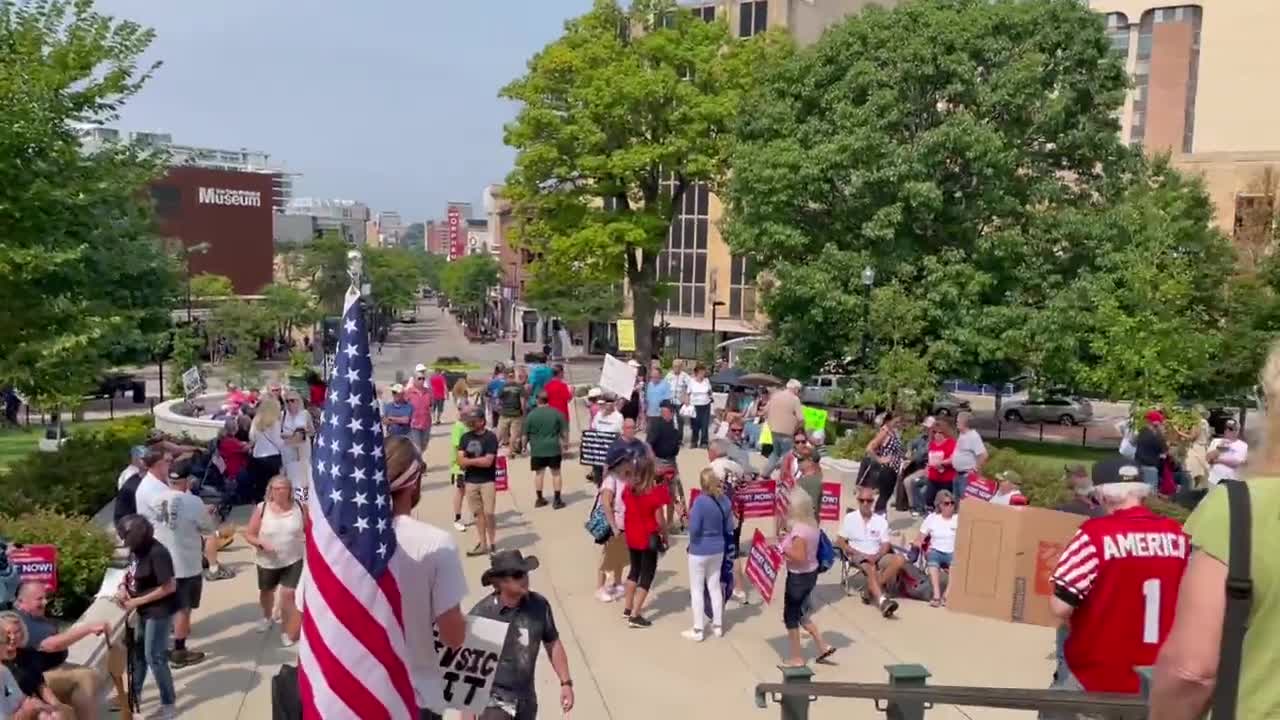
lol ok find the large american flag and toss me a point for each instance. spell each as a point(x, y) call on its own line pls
point(352, 656)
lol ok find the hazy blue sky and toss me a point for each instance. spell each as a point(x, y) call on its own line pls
point(392, 102)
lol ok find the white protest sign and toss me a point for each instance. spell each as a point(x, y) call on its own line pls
point(468, 672)
point(617, 377)
point(192, 383)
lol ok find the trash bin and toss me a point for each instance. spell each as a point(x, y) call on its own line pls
point(139, 392)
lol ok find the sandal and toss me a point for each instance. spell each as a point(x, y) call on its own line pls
point(936, 602)
point(825, 655)
point(477, 551)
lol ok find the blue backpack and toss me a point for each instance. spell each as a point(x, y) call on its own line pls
point(826, 552)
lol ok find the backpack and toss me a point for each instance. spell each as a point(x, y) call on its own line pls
point(826, 552)
point(1239, 590)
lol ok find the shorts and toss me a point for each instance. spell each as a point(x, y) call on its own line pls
point(795, 598)
point(285, 577)
point(189, 591)
point(860, 560)
point(540, 463)
point(614, 555)
point(437, 405)
point(938, 559)
point(481, 496)
point(457, 481)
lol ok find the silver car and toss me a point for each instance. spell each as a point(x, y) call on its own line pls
point(1050, 409)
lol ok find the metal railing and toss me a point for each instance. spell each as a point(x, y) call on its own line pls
point(908, 695)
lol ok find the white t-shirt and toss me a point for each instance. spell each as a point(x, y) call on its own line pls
point(865, 536)
point(699, 391)
point(181, 523)
point(941, 531)
point(1236, 450)
point(267, 442)
point(432, 583)
point(608, 422)
point(291, 424)
point(968, 447)
point(150, 490)
point(616, 485)
point(128, 472)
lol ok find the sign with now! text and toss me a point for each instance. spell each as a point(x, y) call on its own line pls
point(37, 563)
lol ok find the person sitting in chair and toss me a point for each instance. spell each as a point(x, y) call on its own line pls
point(864, 539)
point(939, 533)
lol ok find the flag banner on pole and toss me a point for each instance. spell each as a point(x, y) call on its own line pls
point(352, 657)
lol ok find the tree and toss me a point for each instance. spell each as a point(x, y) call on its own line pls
point(466, 282)
point(288, 307)
point(321, 265)
point(209, 285)
point(578, 303)
point(415, 236)
point(960, 150)
point(619, 118)
point(83, 280)
point(243, 324)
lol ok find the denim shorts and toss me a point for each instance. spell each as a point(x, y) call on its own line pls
point(937, 558)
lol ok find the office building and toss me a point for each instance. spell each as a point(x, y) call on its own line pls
point(347, 217)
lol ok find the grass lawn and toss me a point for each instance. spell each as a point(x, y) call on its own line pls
point(1055, 455)
point(16, 443)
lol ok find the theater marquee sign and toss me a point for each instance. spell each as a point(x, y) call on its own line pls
point(224, 196)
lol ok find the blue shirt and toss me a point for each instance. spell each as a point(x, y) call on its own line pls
point(709, 524)
point(539, 376)
point(494, 387)
point(398, 409)
point(654, 394)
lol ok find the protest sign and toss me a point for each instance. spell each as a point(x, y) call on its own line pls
point(626, 335)
point(980, 488)
point(756, 498)
point(763, 562)
point(37, 563)
point(815, 419)
point(468, 672)
point(594, 447)
point(192, 383)
point(617, 377)
point(829, 507)
point(500, 483)
point(782, 496)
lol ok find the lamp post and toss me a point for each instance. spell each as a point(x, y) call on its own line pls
point(868, 279)
point(715, 310)
point(187, 252)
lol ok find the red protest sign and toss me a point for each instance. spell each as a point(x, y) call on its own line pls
point(980, 488)
point(757, 498)
point(500, 483)
point(763, 562)
point(829, 509)
point(37, 563)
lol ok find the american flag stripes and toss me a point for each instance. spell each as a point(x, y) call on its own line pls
point(352, 656)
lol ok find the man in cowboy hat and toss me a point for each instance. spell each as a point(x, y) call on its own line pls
point(531, 624)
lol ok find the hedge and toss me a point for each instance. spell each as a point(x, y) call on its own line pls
point(84, 552)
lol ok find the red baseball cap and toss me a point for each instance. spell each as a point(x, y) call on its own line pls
point(1155, 416)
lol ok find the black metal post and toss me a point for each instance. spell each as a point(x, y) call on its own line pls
point(1041, 432)
point(906, 675)
point(160, 364)
point(513, 349)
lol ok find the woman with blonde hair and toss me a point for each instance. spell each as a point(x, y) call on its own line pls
point(277, 531)
point(644, 503)
point(710, 522)
point(800, 550)
point(296, 431)
point(267, 445)
point(23, 692)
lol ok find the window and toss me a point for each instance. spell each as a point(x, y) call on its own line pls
point(1118, 33)
point(742, 291)
point(753, 17)
point(683, 263)
point(168, 200)
point(707, 13)
point(1254, 217)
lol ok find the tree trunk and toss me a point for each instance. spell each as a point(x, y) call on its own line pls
point(643, 307)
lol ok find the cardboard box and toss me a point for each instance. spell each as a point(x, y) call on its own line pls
point(1004, 558)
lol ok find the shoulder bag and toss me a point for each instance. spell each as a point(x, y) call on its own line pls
point(597, 524)
point(1239, 589)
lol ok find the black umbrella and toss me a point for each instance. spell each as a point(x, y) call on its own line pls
point(759, 380)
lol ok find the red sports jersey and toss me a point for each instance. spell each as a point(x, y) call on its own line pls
point(1121, 573)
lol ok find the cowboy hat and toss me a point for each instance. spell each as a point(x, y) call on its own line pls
point(506, 562)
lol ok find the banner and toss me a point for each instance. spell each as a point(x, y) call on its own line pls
point(192, 383)
point(626, 335)
point(468, 672)
point(594, 446)
point(37, 563)
point(756, 498)
point(500, 483)
point(979, 488)
point(617, 377)
point(829, 505)
point(763, 562)
point(815, 419)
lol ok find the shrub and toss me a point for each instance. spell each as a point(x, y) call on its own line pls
point(77, 479)
point(84, 552)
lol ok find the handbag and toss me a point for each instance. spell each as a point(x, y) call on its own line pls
point(597, 524)
point(657, 544)
point(826, 552)
point(687, 411)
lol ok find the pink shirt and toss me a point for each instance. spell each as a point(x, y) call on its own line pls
point(420, 399)
point(809, 534)
point(617, 485)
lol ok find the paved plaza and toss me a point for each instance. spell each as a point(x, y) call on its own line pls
point(620, 673)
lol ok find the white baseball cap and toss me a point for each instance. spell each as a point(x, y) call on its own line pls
point(420, 369)
point(397, 388)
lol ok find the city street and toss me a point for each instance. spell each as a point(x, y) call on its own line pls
point(619, 672)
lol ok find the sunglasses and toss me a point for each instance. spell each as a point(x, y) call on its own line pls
point(866, 501)
point(801, 441)
point(946, 503)
point(514, 575)
point(735, 429)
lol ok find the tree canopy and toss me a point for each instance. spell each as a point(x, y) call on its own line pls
point(467, 280)
point(83, 279)
point(618, 118)
point(967, 153)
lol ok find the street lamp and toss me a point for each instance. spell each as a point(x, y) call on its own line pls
point(715, 308)
point(868, 279)
point(188, 251)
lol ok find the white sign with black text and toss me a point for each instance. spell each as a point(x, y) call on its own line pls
point(469, 671)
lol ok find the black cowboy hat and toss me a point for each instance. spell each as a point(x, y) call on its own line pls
point(506, 562)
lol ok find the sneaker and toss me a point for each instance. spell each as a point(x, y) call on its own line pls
point(741, 597)
point(618, 591)
point(888, 607)
point(638, 621)
point(557, 504)
point(540, 502)
point(285, 640)
point(692, 634)
point(626, 613)
point(460, 526)
point(183, 658)
point(717, 631)
point(604, 595)
point(221, 573)
point(264, 625)
point(164, 712)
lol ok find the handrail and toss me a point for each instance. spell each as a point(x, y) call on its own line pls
point(1105, 704)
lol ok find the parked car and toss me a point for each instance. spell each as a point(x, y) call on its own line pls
point(1061, 409)
point(818, 390)
point(947, 405)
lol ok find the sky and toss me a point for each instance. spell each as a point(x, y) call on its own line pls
point(390, 102)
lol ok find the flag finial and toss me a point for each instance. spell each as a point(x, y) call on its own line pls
point(355, 266)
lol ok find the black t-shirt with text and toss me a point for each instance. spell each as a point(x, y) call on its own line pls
point(478, 444)
point(531, 625)
point(149, 568)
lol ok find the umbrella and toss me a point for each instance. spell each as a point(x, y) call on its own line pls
point(728, 376)
point(759, 380)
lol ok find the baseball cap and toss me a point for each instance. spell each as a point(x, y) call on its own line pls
point(1231, 424)
point(1114, 469)
point(1155, 416)
point(180, 470)
point(420, 369)
point(1076, 470)
point(397, 387)
point(929, 422)
point(137, 451)
point(1009, 476)
point(594, 392)
point(472, 414)
point(624, 452)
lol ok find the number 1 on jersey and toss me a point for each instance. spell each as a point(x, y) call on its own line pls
point(1151, 611)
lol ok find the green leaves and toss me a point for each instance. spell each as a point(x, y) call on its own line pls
point(83, 280)
point(466, 281)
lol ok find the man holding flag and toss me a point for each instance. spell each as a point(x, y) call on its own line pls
point(365, 652)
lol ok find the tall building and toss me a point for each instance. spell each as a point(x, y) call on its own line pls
point(242, 160)
point(1202, 78)
point(348, 217)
